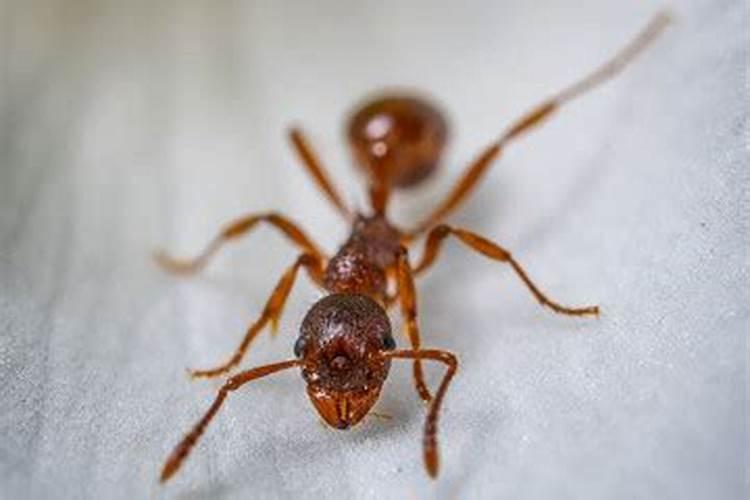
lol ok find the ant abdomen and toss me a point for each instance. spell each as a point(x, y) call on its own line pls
point(397, 139)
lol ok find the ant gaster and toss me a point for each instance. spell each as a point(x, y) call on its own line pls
point(345, 345)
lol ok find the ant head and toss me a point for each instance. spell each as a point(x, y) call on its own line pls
point(341, 343)
point(398, 140)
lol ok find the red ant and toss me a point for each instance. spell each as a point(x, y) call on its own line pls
point(345, 346)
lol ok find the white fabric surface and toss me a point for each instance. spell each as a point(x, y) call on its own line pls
point(131, 125)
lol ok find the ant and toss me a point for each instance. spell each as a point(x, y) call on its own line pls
point(345, 344)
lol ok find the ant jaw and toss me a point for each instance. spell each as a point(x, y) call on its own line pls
point(343, 409)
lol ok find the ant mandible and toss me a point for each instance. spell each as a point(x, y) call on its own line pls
point(345, 346)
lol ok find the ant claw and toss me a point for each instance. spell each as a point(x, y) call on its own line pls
point(175, 266)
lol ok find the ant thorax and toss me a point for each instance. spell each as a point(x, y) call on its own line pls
point(360, 265)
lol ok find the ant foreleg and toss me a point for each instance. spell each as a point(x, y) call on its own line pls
point(182, 450)
point(431, 453)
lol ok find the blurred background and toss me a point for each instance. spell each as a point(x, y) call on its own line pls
point(130, 126)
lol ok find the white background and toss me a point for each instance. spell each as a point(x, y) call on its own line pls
point(132, 125)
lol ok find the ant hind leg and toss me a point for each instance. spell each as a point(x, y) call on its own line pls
point(474, 172)
point(314, 166)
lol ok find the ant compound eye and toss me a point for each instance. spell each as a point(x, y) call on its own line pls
point(388, 343)
point(299, 346)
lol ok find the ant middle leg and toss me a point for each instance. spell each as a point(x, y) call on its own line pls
point(533, 118)
point(495, 252)
point(271, 312)
point(232, 231)
point(182, 450)
point(407, 297)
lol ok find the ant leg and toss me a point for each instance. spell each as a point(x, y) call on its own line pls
point(182, 450)
point(431, 455)
point(494, 252)
point(407, 296)
point(233, 230)
point(271, 312)
point(315, 167)
point(476, 170)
